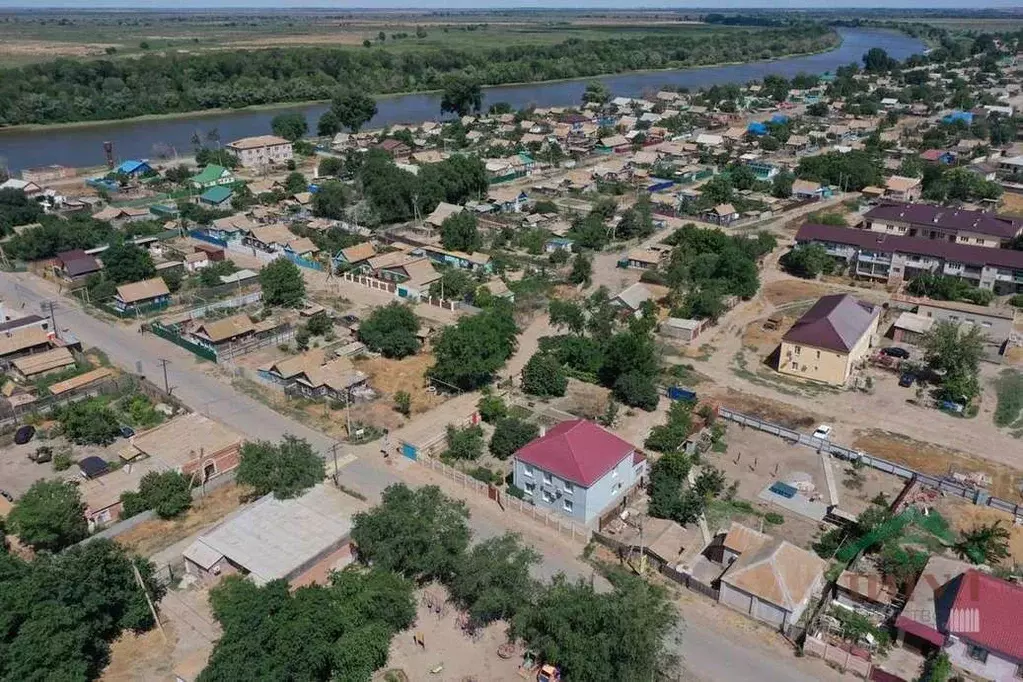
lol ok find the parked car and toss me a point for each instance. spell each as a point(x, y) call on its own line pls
point(24, 434)
point(126, 431)
point(906, 379)
point(895, 352)
point(823, 432)
point(349, 320)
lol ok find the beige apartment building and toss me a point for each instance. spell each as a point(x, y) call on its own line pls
point(261, 151)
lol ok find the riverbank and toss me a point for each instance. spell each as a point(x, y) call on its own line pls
point(283, 106)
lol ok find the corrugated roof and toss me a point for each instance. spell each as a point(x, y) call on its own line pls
point(578, 451)
point(359, 252)
point(144, 290)
point(80, 380)
point(836, 322)
point(997, 605)
point(777, 572)
point(229, 327)
point(296, 365)
point(22, 339)
point(274, 539)
point(257, 141)
point(443, 211)
point(55, 358)
point(742, 538)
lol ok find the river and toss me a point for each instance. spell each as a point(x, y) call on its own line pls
point(83, 146)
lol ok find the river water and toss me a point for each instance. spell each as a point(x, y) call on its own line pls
point(143, 139)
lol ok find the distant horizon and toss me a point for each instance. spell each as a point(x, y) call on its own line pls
point(433, 5)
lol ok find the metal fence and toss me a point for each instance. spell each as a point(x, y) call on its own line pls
point(944, 485)
point(171, 334)
point(566, 528)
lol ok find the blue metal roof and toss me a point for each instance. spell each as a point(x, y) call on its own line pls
point(132, 166)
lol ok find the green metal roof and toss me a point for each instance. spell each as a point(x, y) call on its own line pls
point(210, 173)
point(217, 195)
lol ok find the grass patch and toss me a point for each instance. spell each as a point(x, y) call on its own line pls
point(1009, 388)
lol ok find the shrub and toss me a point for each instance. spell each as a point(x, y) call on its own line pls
point(774, 518)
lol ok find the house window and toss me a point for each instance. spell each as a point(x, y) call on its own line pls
point(547, 478)
point(527, 471)
point(795, 365)
point(614, 473)
point(977, 653)
point(569, 488)
point(818, 355)
point(1019, 671)
point(530, 488)
point(567, 506)
point(797, 349)
point(616, 489)
point(548, 496)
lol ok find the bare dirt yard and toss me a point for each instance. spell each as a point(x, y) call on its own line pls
point(446, 649)
point(963, 515)
point(937, 460)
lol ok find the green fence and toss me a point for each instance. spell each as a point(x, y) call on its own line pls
point(171, 335)
point(137, 310)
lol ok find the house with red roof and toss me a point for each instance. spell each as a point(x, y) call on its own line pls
point(970, 615)
point(577, 469)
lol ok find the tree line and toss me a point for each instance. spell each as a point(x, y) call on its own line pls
point(69, 90)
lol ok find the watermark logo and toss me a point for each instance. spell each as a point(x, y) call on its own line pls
point(964, 621)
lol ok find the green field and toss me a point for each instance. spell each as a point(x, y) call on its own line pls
point(27, 38)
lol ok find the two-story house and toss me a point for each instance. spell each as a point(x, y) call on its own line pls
point(578, 469)
point(957, 226)
point(261, 151)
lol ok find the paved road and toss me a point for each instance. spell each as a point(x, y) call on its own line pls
point(709, 653)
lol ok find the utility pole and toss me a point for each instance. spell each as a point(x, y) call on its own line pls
point(152, 609)
point(333, 450)
point(166, 384)
point(50, 306)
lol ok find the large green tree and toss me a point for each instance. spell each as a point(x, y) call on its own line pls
point(90, 422)
point(419, 534)
point(510, 435)
point(493, 581)
point(125, 262)
point(60, 613)
point(984, 544)
point(599, 637)
point(341, 631)
point(460, 233)
point(352, 109)
point(469, 354)
point(49, 516)
point(461, 95)
point(168, 493)
point(282, 284)
point(956, 352)
point(544, 376)
point(391, 330)
point(330, 200)
point(286, 469)
point(290, 125)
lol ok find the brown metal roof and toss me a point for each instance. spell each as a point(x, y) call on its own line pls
point(836, 322)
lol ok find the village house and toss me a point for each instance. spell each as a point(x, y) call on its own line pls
point(769, 579)
point(196, 261)
point(829, 340)
point(443, 211)
point(217, 198)
point(722, 214)
point(475, 262)
point(77, 383)
point(644, 259)
point(357, 257)
point(261, 151)
point(396, 149)
point(216, 334)
point(507, 199)
point(633, 297)
point(37, 365)
point(334, 380)
point(578, 469)
point(900, 188)
point(30, 188)
point(807, 190)
point(142, 296)
point(118, 217)
point(191, 444)
point(75, 265)
point(893, 259)
point(681, 329)
point(299, 540)
point(15, 343)
point(211, 176)
point(133, 168)
point(278, 239)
